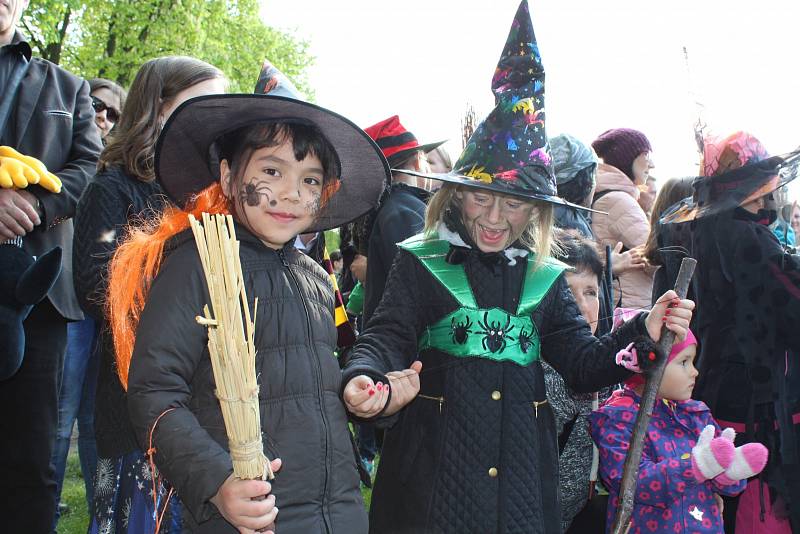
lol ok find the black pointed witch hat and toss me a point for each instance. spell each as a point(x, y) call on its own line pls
point(508, 153)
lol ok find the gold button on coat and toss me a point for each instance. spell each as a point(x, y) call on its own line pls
point(496, 395)
point(493, 472)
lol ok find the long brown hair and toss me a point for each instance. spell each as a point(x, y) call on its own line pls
point(158, 81)
point(671, 192)
point(538, 233)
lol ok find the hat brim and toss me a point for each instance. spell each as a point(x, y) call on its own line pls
point(741, 185)
point(399, 157)
point(185, 166)
point(466, 181)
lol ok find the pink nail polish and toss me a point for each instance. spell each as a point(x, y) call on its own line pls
point(371, 392)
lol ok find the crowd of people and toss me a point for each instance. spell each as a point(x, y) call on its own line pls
point(475, 348)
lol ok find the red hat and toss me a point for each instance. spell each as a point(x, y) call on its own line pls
point(397, 143)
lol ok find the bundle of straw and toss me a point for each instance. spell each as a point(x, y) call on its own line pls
point(231, 344)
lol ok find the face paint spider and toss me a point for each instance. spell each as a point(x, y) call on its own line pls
point(252, 192)
point(460, 330)
point(495, 335)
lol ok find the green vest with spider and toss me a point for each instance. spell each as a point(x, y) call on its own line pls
point(474, 332)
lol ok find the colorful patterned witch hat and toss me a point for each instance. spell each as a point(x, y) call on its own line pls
point(508, 152)
point(735, 170)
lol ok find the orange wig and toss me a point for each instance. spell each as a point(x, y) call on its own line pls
point(142, 252)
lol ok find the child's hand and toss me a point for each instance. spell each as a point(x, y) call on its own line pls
point(748, 460)
point(672, 312)
point(363, 398)
point(243, 504)
point(405, 386)
point(711, 456)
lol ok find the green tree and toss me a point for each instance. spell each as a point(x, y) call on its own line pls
point(113, 38)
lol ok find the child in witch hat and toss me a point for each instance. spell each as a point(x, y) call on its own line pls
point(686, 462)
point(471, 445)
point(280, 166)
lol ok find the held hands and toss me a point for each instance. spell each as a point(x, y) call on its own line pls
point(20, 171)
point(248, 505)
point(630, 260)
point(363, 398)
point(672, 312)
point(17, 213)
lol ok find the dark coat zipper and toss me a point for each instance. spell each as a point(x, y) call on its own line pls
point(318, 372)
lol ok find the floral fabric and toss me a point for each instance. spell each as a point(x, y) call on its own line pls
point(668, 498)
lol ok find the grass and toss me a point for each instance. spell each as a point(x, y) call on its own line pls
point(76, 520)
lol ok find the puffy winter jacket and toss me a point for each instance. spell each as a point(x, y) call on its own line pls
point(476, 450)
point(302, 418)
point(668, 498)
point(625, 222)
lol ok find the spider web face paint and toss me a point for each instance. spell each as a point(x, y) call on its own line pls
point(313, 205)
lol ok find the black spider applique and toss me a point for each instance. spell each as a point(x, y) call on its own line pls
point(525, 340)
point(460, 330)
point(494, 335)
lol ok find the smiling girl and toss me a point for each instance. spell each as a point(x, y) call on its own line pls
point(479, 300)
point(280, 167)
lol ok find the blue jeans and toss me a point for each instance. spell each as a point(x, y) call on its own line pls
point(76, 401)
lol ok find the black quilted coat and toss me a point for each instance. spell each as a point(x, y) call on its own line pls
point(302, 418)
point(476, 450)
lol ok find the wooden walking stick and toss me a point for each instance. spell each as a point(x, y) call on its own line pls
point(630, 473)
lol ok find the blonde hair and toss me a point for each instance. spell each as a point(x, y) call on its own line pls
point(538, 236)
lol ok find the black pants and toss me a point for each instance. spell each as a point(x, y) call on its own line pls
point(28, 423)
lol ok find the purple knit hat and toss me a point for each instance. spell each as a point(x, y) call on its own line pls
point(620, 146)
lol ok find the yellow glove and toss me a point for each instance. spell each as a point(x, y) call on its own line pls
point(15, 174)
point(44, 178)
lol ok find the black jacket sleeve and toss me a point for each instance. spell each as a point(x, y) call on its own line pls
point(169, 346)
point(100, 218)
point(585, 362)
point(389, 341)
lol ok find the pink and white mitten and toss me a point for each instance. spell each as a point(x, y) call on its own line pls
point(748, 460)
point(711, 456)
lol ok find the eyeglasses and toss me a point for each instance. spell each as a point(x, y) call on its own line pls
point(100, 106)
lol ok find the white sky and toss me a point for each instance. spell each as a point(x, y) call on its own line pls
point(609, 63)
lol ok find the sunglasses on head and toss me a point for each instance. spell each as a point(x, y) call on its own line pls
point(100, 106)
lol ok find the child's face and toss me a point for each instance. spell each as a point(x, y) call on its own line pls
point(494, 221)
point(679, 376)
point(279, 197)
point(586, 290)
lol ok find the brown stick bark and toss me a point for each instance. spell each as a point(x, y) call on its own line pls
point(630, 473)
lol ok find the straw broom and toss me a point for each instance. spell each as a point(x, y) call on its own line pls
point(231, 335)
